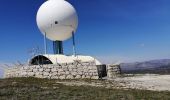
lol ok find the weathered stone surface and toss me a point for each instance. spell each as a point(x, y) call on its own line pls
point(113, 71)
point(36, 74)
point(90, 74)
point(62, 77)
point(37, 67)
point(54, 70)
point(67, 72)
point(54, 77)
point(25, 68)
point(95, 74)
point(78, 77)
point(70, 77)
point(60, 70)
point(76, 70)
point(74, 73)
point(41, 69)
point(39, 76)
point(45, 73)
point(88, 77)
point(95, 77)
point(35, 70)
point(54, 74)
point(47, 70)
point(49, 67)
point(31, 74)
point(23, 74)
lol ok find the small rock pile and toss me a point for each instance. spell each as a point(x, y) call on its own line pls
point(76, 70)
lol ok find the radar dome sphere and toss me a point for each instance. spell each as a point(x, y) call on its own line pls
point(57, 19)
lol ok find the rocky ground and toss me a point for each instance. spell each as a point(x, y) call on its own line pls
point(144, 82)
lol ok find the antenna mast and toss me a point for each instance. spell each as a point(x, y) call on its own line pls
point(45, 44)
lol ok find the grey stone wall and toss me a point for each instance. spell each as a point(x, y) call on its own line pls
point(76, 70)
point(113, 71)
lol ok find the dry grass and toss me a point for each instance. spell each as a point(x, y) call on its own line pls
point(44, 89)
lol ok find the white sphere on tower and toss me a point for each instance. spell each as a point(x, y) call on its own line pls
point(57, 19)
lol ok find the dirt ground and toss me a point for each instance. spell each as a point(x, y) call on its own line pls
point(143, 82)
point(147, 82)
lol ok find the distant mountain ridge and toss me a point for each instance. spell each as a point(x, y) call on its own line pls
point(152, 66)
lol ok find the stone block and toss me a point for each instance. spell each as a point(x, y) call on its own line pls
point(61, 73)
point(67, 72)
point(74, 73)
point(54, 73)
point(31, 74)
point(86, 74)
point(35, 70)
point(47, 70)
point(85, 63)
point(83, 76)
point(86, 70)
point(45, 73)
point(69, 77)
point(38, 73)
point(78, 77)
point(95, 74)
point(50, 75)
point(92, 63)
point(74, 70)
point(54, 77)
point(25, 68)
point(88, 77)
point(63, 64)
point(70, 66)
point(32, 67)
point(54, 70)
point(80, 73)
point(60, 70)
point(90, 74)
point(39, 76)
point(95, 77)
point(23, 74)
point(62, 77)
point(40, 69)
point(49, 66)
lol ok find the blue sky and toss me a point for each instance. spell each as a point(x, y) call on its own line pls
point(111, 30)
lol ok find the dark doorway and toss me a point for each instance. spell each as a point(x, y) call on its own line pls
point(102, 71)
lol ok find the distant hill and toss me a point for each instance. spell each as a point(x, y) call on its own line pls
point(161, 66)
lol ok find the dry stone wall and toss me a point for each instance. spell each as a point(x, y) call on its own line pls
point(113, 71)
point(76, 70)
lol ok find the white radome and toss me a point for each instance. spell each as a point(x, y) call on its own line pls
point(58, 19)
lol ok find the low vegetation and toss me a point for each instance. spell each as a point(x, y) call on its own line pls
point(44, 89)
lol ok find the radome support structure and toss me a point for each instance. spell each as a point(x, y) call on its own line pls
point(58, 21)
point(58, 47)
